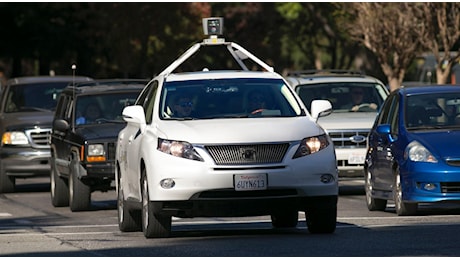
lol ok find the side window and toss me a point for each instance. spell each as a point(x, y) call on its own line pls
point(384, 113)
point(144, 95)
point(62, 108)
point(394, 117)
point(59, 107)
point(149, 105)
point(146, 100)
point(69, 116)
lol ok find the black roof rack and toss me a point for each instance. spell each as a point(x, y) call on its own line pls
point(305, 73)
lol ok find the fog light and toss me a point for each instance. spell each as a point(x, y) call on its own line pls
point(327, 178)
point(429, 186)
point(167, 183)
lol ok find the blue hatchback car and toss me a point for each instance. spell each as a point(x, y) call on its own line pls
point(413, 149)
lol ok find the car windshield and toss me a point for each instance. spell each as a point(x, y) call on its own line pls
point(96, 109)
point(33, 97)
point(433, 110)
point(345, 96)
point(228, 98)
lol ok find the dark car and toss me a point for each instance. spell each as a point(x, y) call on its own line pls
point(85, 129)
point(413, 153)
point(26, 112)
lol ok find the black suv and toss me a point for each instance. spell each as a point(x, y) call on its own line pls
point(26, 112)
point(85, 129)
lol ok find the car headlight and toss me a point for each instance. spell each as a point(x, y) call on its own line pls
point(311, 145)
point(14, 138)
point(178, 149)
point(95, 153)
point(416, 152)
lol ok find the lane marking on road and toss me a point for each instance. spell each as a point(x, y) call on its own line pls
point(4, 214)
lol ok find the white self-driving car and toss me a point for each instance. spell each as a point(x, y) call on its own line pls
point(197, 145)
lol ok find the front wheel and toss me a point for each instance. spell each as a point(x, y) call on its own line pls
point(59, 188)
point(402, 208)
point(373, 203)
point(153, 225)
point(127, 220)
point(79, 193)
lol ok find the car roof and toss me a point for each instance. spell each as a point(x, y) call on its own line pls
point(221, 74)
point(114, 81)
point(427, 89)
point(42, 79)
point(325, 76)
point(103, 88)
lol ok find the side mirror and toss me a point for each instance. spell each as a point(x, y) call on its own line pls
point(61, 125)
point(385, 130)
point(320, 108)
point(134, 115)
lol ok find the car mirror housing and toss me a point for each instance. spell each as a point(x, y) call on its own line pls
point(384, 129)
point(61, 125)
point(134, 114)
point(320, 108)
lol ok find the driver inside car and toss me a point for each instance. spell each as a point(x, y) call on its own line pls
point(357, 101)
point(92, 112)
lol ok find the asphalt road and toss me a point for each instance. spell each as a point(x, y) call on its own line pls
point(30, 226)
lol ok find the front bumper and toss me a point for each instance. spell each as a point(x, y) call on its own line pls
point(350, 162)
point(303, 175)
point(25, 162)
point(100, 176)
point(240, 207)
point(426, 183)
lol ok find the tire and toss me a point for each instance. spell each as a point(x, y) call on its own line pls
point(322, 219)
point(7, 183)
point(153, 225)
point(402, 208)
point(285, 219)
point(128, 221)
point(79, 193)
point(373, 203)
point(59, 188)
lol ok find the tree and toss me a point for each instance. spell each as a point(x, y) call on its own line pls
point(389, 31)
point(312, 38)
point(438, 33)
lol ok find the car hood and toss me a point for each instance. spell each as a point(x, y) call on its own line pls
point(353, 120)
point(240, 130)
point(100, 131)
point(23, 120)
point(442, 143)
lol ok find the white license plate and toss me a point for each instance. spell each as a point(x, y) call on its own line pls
point(245, 182)
point(356, 159)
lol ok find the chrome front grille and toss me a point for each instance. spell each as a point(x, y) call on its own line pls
point(349, 138)
point(247, 154)
point(39, 137)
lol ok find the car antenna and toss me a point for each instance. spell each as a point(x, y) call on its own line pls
point(74, 68)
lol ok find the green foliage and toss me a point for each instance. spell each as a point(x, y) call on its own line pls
point(139, 39)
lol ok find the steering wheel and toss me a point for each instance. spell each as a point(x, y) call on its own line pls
point(257, 111)
point(364, 107)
